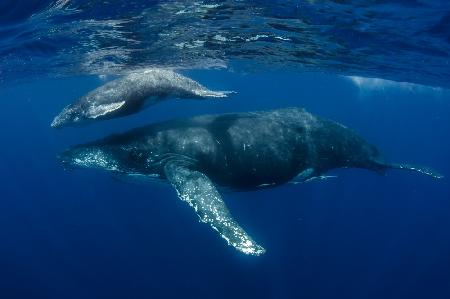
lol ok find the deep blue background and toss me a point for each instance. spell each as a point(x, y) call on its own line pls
point(83, 234)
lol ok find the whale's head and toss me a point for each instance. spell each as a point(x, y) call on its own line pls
point(69, 116)
point(96, 157)
point(88, 109)
point(112, 154)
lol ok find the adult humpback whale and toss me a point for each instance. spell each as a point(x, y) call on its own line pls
point(242, 151)
point(130, 94)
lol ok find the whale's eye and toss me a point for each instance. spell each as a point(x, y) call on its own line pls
point(135, 155)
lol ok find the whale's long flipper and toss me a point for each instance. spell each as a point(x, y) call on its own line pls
point(419, 169)
point(198, 191)
point(206, 93)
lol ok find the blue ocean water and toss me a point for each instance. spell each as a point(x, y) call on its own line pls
point(379, 68)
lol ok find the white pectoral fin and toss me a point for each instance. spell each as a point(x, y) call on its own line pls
point(303, 176)
point(198, 191)
point(104, 109)
point(321, 178)
point(205, 93)
point(308, 175)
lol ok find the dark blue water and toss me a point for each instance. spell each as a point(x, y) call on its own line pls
point(84, 234)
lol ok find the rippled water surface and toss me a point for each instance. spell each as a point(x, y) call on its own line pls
point(391, 39)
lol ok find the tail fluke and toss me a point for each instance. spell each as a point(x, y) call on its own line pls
point(420, 169)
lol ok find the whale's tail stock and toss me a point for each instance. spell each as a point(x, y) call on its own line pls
point(420, 169)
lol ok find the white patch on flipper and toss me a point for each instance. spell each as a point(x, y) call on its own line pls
point(104, 109)
point(205, 93)
point(321, 178)
point(265, 185)
point(304, 175)
point(195, 188)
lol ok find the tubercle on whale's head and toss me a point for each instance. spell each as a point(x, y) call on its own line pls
point(109, 154)
point(89, 156)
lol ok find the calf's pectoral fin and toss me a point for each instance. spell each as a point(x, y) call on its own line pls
point(205, 93)
point(104, 109)
point(198, 191)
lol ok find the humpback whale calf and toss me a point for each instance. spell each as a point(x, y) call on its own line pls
point(241, 151)
point(130, 94)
